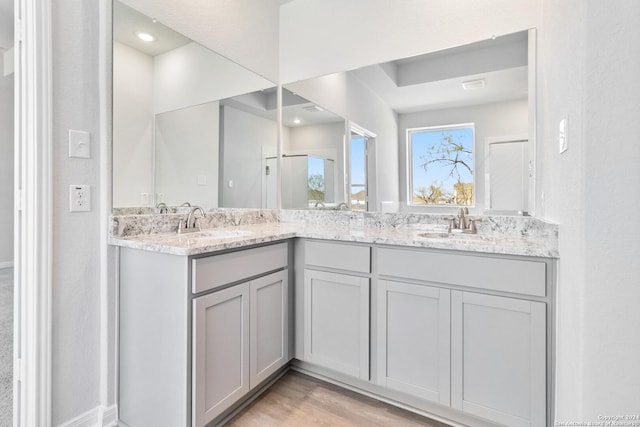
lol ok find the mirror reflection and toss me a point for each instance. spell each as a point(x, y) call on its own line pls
point(313, 159)
point(449, 116)
point(188, 124)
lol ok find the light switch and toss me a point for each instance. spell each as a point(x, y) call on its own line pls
point(202, 179)
point(79, 144)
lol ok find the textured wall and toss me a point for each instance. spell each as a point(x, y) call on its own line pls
point(589, 69)
point(318, 37)
point(6, 166)
point(76, 256)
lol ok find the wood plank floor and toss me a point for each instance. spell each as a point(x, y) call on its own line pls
point(298, 400)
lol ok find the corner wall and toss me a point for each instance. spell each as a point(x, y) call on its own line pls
point(590, 67)
point(76, 298)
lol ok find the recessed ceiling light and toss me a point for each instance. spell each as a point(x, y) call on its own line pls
point(145, 37)
point(296, 121)
point(473, 84)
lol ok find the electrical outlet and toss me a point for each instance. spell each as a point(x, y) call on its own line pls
point(144, 199)
point(79, 198)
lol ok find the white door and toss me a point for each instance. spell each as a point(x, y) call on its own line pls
point(498, 358)
point(413, 340)
point(269, 344)
point(220, 351)
point(336, 322)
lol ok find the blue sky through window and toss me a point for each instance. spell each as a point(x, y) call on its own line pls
point(439, 149)
point(357, 160)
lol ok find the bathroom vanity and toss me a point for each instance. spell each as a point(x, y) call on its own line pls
point(199, 333)
point(459, 329)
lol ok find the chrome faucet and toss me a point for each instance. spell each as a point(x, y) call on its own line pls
point(187, 204)
point(163, 207)
point(191, 218)
point(342, 205)
point(462, 222)
point(319, 204)
point(190, 224)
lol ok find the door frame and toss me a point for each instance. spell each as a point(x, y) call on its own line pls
point(33, 214)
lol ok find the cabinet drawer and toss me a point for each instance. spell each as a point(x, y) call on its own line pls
point(339, 256)
point(506, 275)
point(218, 270)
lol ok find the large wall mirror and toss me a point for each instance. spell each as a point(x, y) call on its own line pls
point(449, 128)
point(189, 126)
point(313, 173)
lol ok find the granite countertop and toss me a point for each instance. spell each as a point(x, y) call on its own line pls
point(229, 237)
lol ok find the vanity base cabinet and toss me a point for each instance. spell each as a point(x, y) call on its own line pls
point(498, 349)
point(153, 329)
point(220, 351)
point(336, 322)
point(197, 335)
point(414, 340)
point(269, 326)
point(240, 338)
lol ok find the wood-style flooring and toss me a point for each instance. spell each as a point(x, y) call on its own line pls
point(298, 400)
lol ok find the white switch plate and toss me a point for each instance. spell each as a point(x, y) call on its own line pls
point(79, 198)
point(79, 144)
point(563, 136)
point(202, 179)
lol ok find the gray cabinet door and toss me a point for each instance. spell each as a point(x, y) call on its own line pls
point(269, 331)
point(336, 322)
point(498, 365)
point(414, 340)
point(220, 351)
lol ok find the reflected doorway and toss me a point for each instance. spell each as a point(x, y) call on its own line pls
point(361, 165)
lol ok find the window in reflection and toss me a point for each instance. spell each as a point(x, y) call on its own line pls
point(441, 165)
point(358, 173)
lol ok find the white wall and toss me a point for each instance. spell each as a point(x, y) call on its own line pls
point(186, 155)
point(245, 137)
point(589, 74)
point(202, 76)
point(318, 37)
point(245, 31)
point(6, 167)
point(132, 126)
point(76, 248)
point(497, 119)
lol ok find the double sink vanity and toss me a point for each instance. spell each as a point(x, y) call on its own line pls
point(454, 326)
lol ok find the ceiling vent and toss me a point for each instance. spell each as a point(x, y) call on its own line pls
point(312, 108)
point(473, 84)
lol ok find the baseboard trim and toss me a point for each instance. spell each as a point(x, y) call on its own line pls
point(6, 264)
point(99, 416)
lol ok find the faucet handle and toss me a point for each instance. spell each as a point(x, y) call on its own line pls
point(472, 224)
point(452, 222)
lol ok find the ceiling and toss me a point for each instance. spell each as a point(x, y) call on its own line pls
point(6, 24)
point(434, 80)
point(127, 22)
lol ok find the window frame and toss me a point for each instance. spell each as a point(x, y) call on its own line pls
point(409, 163)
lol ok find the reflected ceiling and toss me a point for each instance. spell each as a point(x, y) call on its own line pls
point(434, 80)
